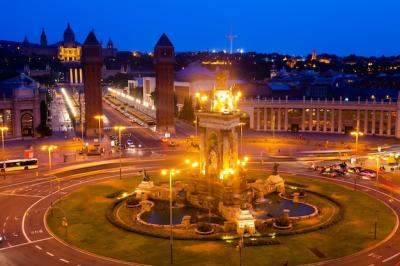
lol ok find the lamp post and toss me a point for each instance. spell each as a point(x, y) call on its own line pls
point(3, 154)
point(99, 117)
point(49, 149)
point(241, 124)
point(119, 129)
point(357, 134)
point(377, 159)
point(195, 122)
point(171, 173)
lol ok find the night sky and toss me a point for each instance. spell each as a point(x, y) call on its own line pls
point(365, 27)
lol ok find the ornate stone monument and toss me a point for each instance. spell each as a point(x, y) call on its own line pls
point(218, 131)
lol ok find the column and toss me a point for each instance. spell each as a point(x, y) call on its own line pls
point(80, 76)
point(389, 124)
point(365, 121)
point(265, 119)
point(303, 119)
point(71, 77)
point(16, 116)
point(318, 120)
point(397, 129)
point(251, 118)
point(273, 118)
point(4, 113)
point(358, 120)
point(340, 121)
point(381, 123)
point(76, 75)
point(286, 119)
point(310, 120)
point(373, 122)
point(333, 120)
point(279, 119)
point(325, 120)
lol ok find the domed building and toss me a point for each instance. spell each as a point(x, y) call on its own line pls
point(69, 50)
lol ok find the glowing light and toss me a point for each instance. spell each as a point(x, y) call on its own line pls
point(71, 106)
point(164, 172)
point(204, 98)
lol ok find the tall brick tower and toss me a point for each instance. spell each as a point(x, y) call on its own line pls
point(164, 60)
point(92, 62)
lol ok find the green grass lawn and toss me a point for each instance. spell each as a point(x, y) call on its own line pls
point(90, 230)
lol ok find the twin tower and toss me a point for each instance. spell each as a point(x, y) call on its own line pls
point(164, 60)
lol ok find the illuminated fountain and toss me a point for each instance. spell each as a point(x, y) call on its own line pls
point(219, 192)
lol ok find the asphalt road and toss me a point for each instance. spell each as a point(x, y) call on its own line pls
point(25, 197)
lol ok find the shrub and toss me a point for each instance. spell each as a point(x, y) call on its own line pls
point(114, 194)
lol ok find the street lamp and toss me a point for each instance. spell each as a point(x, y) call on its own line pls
point(241, 124)
point(171, 173)
point(119, 129)
point(3, 155)
point(195, 122)
point(357, 134)
point(377, 158)
point(99, 117)
point(49, 148)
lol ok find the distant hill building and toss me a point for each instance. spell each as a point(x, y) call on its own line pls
point(68, 51)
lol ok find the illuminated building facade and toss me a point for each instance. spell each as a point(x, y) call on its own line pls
point(324, 116)
point(20, 106)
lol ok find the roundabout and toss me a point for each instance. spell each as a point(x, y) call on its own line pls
point(345, 219)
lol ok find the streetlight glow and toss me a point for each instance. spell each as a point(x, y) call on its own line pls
point(49, 149)
point(171, 173)
point(119, 129)
point(3, 154)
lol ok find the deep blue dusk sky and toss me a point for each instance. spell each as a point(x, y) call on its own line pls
point(365, 27)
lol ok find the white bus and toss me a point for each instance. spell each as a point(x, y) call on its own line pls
point(19, 164)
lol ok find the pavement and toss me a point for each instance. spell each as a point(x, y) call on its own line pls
point(25, 197)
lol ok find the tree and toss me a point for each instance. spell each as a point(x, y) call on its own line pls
point(187, 112)
point(119, 80)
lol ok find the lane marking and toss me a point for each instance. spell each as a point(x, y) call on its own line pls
point(20, 195)
point(27, 243)
point(392, 257)
point(64, 260)
point(54, 193)
point(50, 254)
point(38, 247)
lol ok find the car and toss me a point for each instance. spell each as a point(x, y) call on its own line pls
point(354, 170)
point(164, 140)
point(172, 143)
point(367, 174)
point(332, 172)
point(2, 238)
point(129, 142)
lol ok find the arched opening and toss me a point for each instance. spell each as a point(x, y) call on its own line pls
point(27, 129)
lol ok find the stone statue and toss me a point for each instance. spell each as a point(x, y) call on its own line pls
point(275, 168)
point(213, 161)
point(145, 175)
